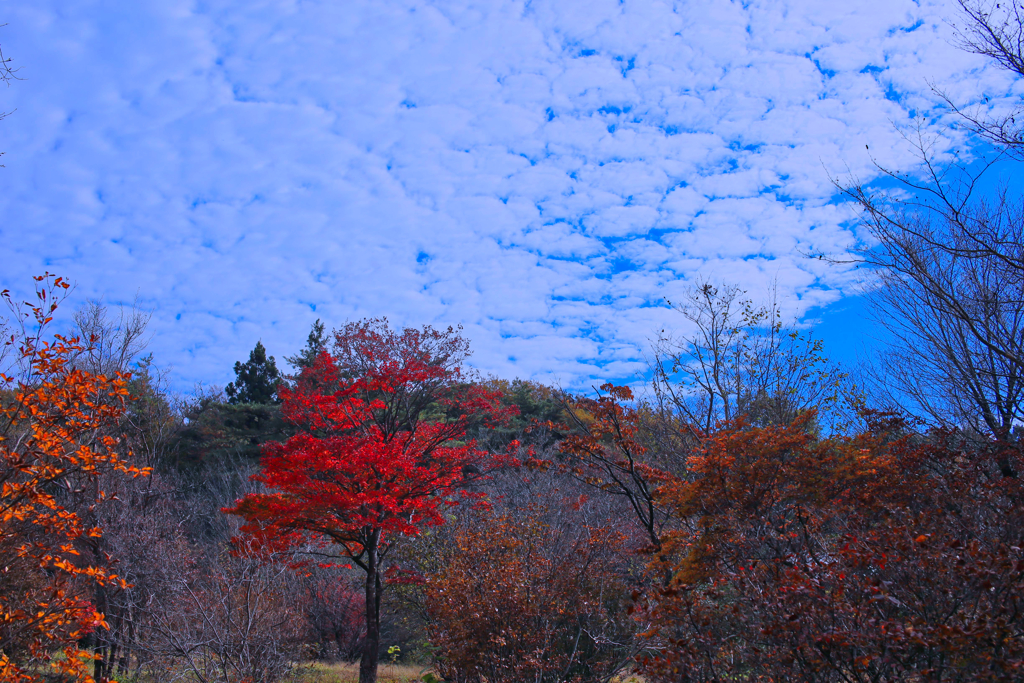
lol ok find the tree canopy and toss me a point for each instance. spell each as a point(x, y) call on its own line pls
point(256, 380)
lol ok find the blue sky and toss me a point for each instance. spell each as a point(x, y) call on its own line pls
point(544, 173)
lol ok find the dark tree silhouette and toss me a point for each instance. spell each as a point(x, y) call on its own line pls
point(315, 343)
point(257, 379)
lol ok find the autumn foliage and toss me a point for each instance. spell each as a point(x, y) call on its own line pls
point(604, 449)
point(870, 558)
point(57, 435)
point(381, 449)
point(531, 596)
point(741, 552)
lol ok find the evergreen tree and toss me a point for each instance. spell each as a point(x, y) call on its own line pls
point(256, 380)
point(315, 343)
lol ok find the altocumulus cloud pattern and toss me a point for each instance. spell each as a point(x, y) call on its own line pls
point(544, 172)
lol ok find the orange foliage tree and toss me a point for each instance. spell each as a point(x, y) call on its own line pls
point(879, 557)
point(56, 437)
point(604, 450)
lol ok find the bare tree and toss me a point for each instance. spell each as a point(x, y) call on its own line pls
point(994, 29)
point(112, 343)
point(700, 374)
point(951, 291)
point(196, 607)
point(7, 74)
point(236, 620)
point(149, 548)
point(740, 360)
point(950, 263)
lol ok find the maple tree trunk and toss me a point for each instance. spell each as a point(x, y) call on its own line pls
point(371, 646)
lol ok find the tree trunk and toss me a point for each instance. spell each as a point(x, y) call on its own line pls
point(101, 649)
point(371, 646)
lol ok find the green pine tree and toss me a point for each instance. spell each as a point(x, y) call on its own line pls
point(256, 380)
point(315, 343)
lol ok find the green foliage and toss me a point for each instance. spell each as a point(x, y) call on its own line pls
point(256, 381)
point(537, 405)
point(536, 402)
point(218, 432)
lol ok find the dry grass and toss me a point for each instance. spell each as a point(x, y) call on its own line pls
point(392, 673)
point(349, 673)
point(395, 673)
point(628, 677)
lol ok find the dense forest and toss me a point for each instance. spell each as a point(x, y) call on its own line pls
point(747, 511)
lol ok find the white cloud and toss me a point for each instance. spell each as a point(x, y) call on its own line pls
point(542, 172)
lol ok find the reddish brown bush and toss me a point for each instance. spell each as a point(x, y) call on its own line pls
point(521, 598)
point(872, 558)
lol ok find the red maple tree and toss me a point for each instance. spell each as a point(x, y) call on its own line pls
point(381, 448)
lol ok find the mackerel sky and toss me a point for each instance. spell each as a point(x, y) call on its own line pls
point(544, 173)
